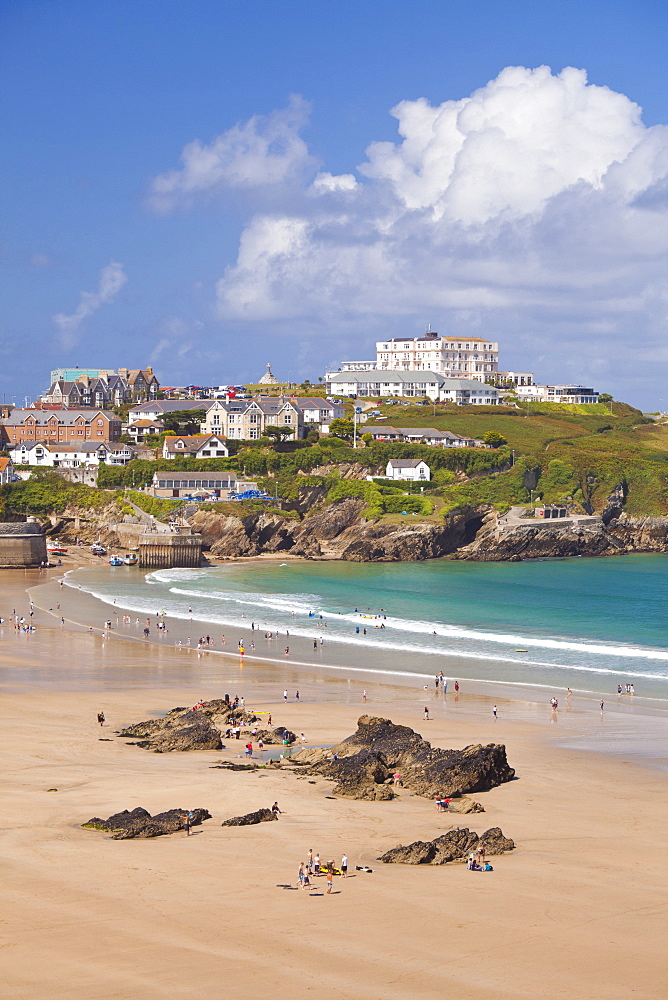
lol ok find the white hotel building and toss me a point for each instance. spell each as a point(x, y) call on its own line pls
point(453, 357)
point(474, 358)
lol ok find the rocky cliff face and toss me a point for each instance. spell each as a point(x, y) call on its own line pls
point(339, 532)
point(620, 535)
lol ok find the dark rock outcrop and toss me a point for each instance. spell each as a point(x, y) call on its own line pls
point(188, 729)
point(465, 805)
point(278, 735)
point(615, 533)
point(454, 845)
point(369, 758)
point(139, 823)
point(338, 532)
point(259, 816)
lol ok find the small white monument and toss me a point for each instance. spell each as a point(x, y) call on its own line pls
point(268, 378)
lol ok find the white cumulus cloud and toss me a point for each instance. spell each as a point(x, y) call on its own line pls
point(111, 280)
point(532, 210)
point(266, 150)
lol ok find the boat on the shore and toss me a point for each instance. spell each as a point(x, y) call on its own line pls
point(131, 559)
point(115, 561)
point(55, 549)
point(98, 550)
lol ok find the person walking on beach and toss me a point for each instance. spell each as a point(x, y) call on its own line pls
point(309, 860)
point(186, 823)
point(426, 712)
point(602, 704)
point(285, 696)
point(494, 712)
point(330, 877)
point(296, 695)
point(300, 875)
point(344, 866)
point(100, 718)
point(456, 687)
point(363, 695)
point(316, 865)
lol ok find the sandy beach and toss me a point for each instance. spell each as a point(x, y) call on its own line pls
point(577, 910)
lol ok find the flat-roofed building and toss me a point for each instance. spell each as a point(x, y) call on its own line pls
point(557, 394)
point(184, 484)
point(454, 357)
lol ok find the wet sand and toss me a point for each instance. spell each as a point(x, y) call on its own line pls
point(576, 911)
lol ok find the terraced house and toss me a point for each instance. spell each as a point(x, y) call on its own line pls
point(101, 388)
point(61, 426)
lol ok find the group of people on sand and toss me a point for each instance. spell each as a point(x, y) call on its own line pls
point(314, 868)
point(441, 684)
point(476, 860)
point(630, 689)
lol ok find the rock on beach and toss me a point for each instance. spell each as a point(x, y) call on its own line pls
point(139, 823)
point(454, 845)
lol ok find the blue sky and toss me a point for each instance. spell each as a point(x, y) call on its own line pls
point(208, 186)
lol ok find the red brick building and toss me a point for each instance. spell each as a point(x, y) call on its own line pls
point(60, 426)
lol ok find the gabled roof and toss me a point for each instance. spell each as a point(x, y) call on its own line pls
point(313, 403)
point(4, 462)
point(406, 463)
point(66, 417)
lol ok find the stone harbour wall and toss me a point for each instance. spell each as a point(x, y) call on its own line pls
point(22, 545)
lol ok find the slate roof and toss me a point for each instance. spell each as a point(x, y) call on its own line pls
point(63, 417)
point(406, 463)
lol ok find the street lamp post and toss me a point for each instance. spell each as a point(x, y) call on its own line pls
point(356, 410)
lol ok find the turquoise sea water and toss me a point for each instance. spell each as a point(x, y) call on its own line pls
point(587, 624)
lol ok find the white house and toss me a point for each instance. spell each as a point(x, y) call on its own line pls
point(6, 470)
point(195, 446)
point(412, 469)
point(71, 456)
point(318, 412)
point(141, 429)
point(429, 384)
